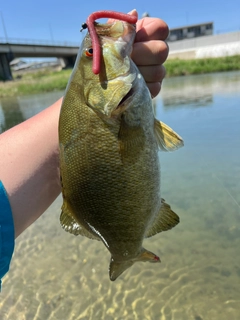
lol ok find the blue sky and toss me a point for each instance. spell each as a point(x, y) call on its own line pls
point(61, 20)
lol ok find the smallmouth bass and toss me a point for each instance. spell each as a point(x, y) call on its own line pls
point(109, 141)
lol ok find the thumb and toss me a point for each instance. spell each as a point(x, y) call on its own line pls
point(131, 13)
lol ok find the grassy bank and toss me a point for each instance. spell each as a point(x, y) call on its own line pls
point(30, 83)
point(176, 67)
point(46, 81)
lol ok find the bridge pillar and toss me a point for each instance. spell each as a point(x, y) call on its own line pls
point(70, 61)
point(5, 71)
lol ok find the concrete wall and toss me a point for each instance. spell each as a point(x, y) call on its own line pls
point(219, 45)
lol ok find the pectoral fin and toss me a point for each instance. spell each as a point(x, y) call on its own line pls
point(69, 223)
point(167, 139)
point(165, 220)
point(131, 141)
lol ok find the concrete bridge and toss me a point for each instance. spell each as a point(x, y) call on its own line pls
point(201, 47)
point(15, 48)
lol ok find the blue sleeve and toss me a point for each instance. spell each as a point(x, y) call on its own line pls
point(6, 232)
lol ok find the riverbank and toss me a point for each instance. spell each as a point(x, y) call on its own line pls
point(32, 83)
point(47, 81)
point(177, 67)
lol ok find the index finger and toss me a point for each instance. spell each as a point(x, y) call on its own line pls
point(151, 29)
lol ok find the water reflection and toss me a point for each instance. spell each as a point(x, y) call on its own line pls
point(198, 91)
point(55, 275)
point(17, 109)
point(10, 113)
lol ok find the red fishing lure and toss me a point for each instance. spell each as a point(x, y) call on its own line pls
point(95, 42)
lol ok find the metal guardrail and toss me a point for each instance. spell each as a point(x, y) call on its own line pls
point(39, 42)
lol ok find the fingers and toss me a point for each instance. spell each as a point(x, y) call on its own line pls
point(151, 29)
point(153, 74)
point(149, 57)
point(133, 13)
point(154, 88)
point(150, 52)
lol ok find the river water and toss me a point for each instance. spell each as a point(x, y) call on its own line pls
point(55, 275)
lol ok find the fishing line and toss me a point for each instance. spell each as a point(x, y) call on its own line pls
point(221, 184)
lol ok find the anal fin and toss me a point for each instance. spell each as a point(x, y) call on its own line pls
point(165, 220)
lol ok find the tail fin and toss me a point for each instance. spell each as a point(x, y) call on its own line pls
point(117, 268)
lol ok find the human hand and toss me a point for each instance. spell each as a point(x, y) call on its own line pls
point(150, 51)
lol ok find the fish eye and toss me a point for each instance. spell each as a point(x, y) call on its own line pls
point(89, 52)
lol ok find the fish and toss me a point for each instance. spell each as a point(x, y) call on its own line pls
point(109, 140)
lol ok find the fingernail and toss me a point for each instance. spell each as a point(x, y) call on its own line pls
point(133, 12)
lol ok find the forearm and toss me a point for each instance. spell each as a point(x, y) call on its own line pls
point(29, 167)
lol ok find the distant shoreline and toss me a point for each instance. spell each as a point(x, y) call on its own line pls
point(49, 80)
point(177, 67)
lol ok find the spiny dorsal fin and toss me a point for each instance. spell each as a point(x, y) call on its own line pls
point(70, 225)
point(131, 141)
point(165, 220)
point(167, 139)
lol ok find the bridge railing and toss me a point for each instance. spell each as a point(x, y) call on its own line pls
point(39, 42)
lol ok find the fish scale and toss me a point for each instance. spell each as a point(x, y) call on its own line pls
point(109, 142)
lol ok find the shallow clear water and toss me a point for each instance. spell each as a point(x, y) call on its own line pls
point(55, 275)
